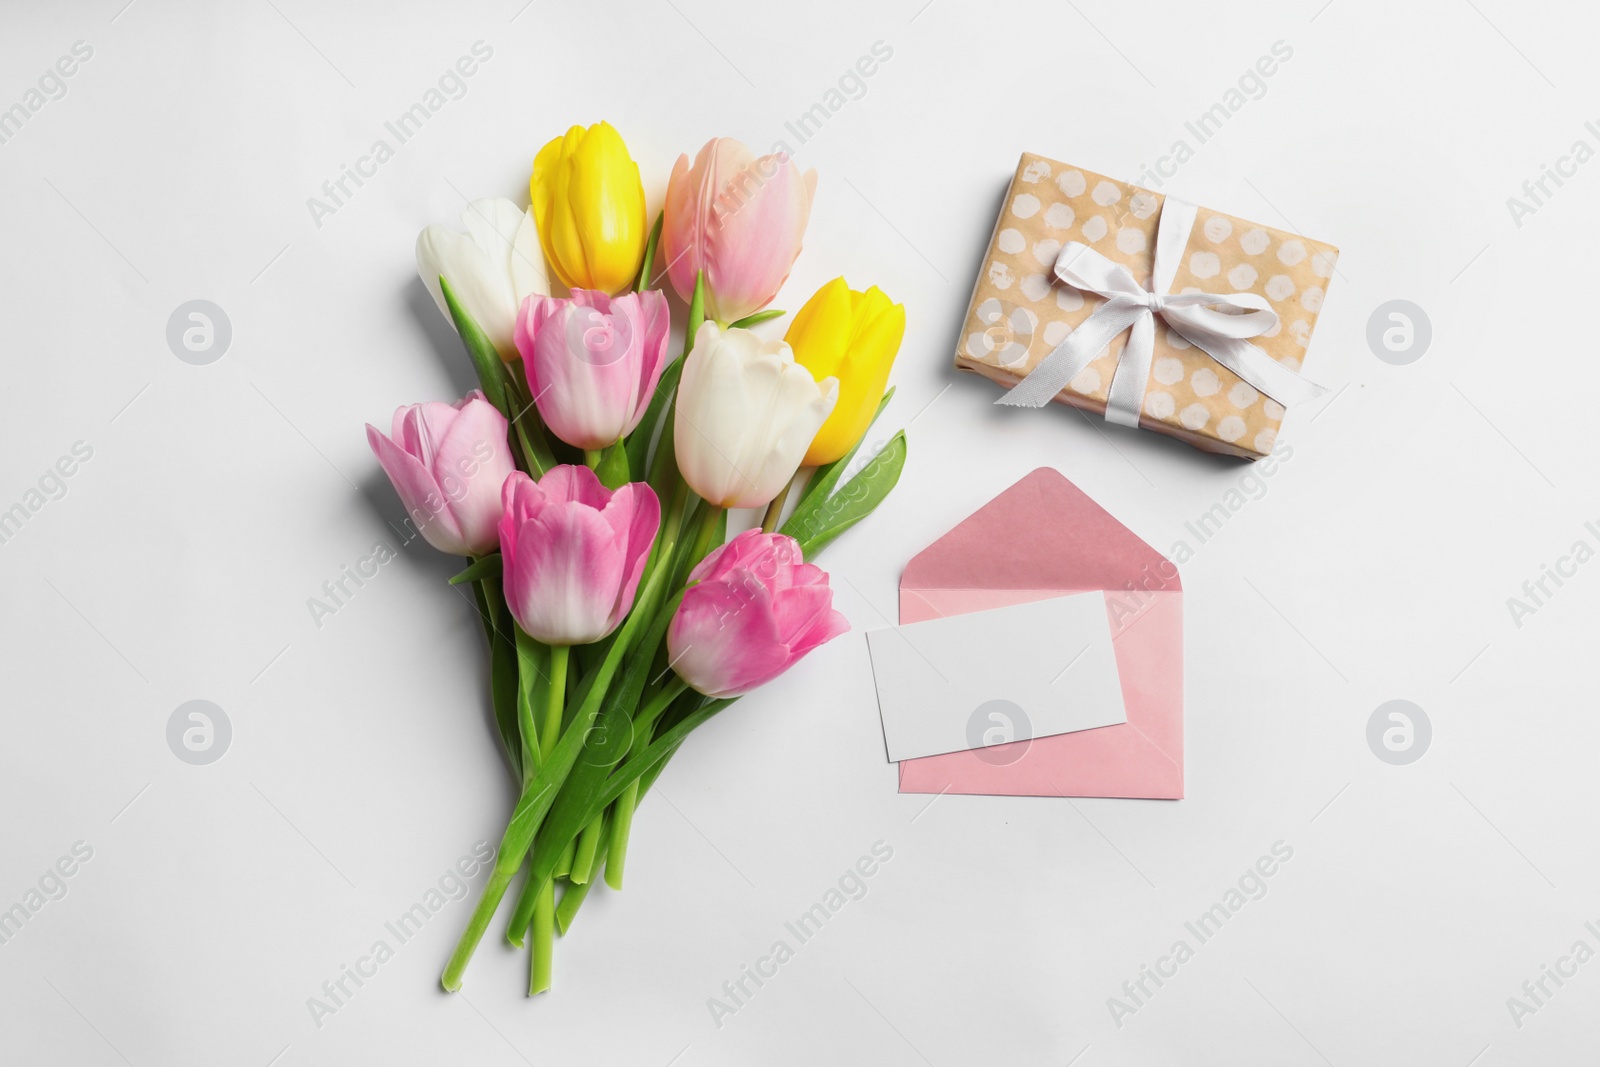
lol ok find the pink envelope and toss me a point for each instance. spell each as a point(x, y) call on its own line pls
point(1042, 538)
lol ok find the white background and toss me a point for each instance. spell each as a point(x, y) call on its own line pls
point(1376, 565)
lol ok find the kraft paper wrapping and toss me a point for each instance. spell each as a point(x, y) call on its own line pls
point(1020, 311)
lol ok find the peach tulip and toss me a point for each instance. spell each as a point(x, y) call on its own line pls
point(739, 219)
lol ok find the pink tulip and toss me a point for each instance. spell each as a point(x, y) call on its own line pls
point(447, 462)
point(573, 552)
point(593, 361)
point(738, 218)
point(757, 608)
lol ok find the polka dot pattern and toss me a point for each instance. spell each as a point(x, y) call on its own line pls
point(1059, 217)
point(1020, 311)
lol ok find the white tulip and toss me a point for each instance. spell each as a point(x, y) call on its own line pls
point(746, 415)
point(491, 268)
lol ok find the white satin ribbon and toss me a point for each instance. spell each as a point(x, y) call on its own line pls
point(1129, 306)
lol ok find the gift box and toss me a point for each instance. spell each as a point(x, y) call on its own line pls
point(1146, 308)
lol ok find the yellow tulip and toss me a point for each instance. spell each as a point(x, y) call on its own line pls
point(853, 337)
point(588, 203)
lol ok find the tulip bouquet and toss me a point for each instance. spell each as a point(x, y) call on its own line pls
point(589, 481)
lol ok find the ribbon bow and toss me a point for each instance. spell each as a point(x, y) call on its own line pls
point(1130, 306)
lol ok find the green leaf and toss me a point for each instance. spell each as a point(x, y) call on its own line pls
point(822, 483)
point(638, 446)
point(660, 469)
point(483, 567)
point(648, 778)
point(535, 445)
point(697, 313)
point(540, 793)
point(527, 427)
point(759, 317)
point(608, 742)
point(664, 476)
point(612, 470)
point(818, 527)
point(711, 531)
point(502, 668)
point(503, 688)
point(579, 812)
point(647, 268)
point(485, 360)
point(533, 690)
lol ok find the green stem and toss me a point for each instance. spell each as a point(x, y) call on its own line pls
point(487, 903)
point(621, 827)
point(571, 901)
point(591, 457)
point(645, 608)
point(671, 530)
point(535, 803)
point(803, 484)
point(622, 819)
point(559, 654)
point(544, 930)
point(522, 910)
point(564, 864)
point(775, 509)
point(588, 846)
point(707, 533)
point(544, 909)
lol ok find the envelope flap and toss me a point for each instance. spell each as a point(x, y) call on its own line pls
point(1043, 532)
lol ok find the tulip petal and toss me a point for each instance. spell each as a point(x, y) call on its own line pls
point(657, 327)
point(797, 608)
point(683, 228)
point(739, 219)
point(759, 225)
point(725, 636)
point(419, 492)
point(514, 510)
point(472, 462)
point(821, 331)
point(634, 515)
point(567, 576)
point(573, 484)
point(746, 413)
point(753, 608)
point(477, 265)
point(528, 274)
